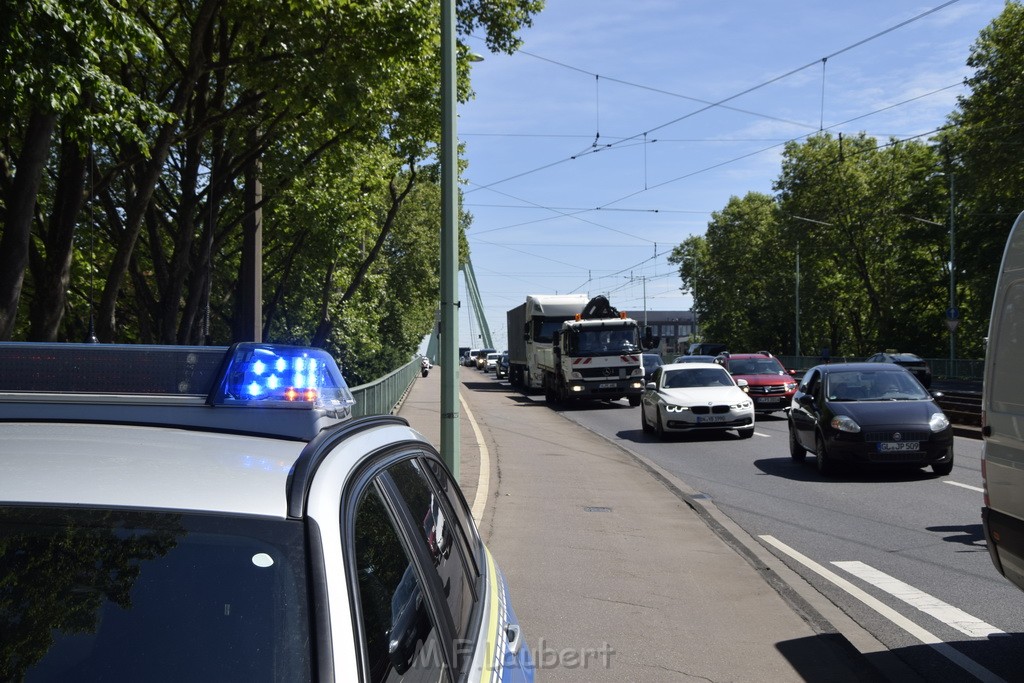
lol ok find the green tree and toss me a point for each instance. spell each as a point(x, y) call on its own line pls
point(872, 253)
point(737, 279)
point(983, 147)
point(165, 115)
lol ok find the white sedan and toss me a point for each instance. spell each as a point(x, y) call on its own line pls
point(687, 397)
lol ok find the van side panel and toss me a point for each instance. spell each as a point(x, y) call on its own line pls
point(1003, 407)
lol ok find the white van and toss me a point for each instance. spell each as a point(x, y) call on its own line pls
point(1002, 459)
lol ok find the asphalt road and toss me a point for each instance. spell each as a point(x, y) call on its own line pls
point(900, 551)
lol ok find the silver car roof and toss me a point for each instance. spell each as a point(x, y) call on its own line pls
point(151, 467)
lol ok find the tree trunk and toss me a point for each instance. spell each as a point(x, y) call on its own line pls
point(52, 273)
point(146, 184)
point(18, 222)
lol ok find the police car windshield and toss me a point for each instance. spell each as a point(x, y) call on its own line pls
point(129, 595)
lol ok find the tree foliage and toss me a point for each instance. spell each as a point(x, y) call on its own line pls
point(142, 141)
point(872, 222)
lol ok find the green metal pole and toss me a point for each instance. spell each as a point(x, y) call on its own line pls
point(449, 342)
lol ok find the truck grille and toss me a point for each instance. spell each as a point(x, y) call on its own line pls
point(601, 373)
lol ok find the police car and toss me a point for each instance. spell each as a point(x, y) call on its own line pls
point(200, 513)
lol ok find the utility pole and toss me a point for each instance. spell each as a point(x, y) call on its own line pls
point(449, 342)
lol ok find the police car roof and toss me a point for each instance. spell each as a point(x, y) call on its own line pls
point(260, 389)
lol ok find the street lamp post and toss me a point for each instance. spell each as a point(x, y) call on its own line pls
point(953, 317)
point(797, 296)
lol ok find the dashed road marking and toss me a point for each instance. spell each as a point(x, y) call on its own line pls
point(965, 486)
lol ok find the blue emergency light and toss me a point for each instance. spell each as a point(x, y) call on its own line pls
point(284, 376)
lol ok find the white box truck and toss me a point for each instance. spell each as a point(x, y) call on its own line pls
point(572, 348)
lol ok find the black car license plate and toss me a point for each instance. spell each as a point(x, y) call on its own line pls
point(899, 446)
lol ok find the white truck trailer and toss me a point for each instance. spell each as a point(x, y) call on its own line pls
point(531, 328)
point(572, 348)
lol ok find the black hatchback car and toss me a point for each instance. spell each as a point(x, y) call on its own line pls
point(868, 413)
point(918, 366)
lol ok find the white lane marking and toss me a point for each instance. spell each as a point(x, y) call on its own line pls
point(965, 486)
point(944, 612)
point(480, 499)
point(947, 651)
point(767, 436)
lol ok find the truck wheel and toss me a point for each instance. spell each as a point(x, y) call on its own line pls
point(634, 401)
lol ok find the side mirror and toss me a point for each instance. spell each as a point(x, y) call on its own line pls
point(650, 386)
point(742, 384)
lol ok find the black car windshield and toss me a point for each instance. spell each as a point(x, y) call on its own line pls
point(874, 385)
point(121, 595)
point(756, 366)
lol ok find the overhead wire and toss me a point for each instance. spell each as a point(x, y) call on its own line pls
point(719, 103)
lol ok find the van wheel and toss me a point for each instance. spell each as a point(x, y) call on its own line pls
point(943, 468)
point(825, 466)
point(796, 451)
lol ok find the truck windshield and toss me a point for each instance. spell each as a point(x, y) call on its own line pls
point(599, 341)
point(151, 596)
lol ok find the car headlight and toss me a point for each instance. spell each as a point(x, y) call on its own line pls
point(938, 422)
point(791, 386)
point(844, 423)
point(672, 408)
point(740, 406)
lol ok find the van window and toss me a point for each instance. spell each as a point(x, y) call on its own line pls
point(1008, 352)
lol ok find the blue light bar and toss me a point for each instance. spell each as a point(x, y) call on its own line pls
point(283, 376)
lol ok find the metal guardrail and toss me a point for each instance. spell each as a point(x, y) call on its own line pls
point(968, 369)
point(382, 396)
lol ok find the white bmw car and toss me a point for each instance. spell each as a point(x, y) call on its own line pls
point(688, 397)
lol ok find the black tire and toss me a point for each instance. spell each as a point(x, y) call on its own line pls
point(643, 422)
point(745, 433)
point(825, 466)
point(659, 428)
point(943, 469)
point(796, 451)
point(634, 401)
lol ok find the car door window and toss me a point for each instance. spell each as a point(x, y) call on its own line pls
point(435, 529)
point(400, 639)
point(812, 386)
point(463, 519)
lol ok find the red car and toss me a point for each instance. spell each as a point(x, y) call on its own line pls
point(769, 384)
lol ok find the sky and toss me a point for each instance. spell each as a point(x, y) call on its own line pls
point(619, 127)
